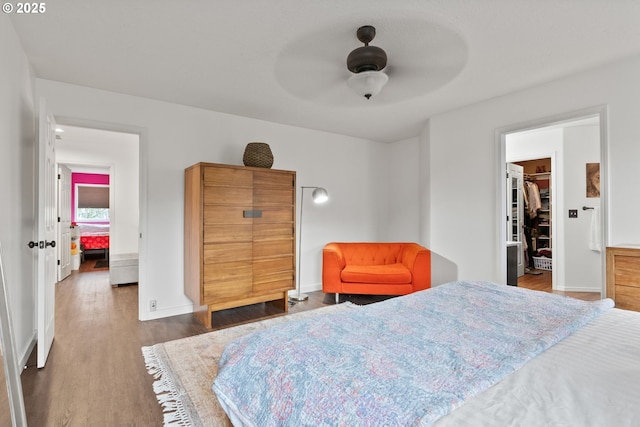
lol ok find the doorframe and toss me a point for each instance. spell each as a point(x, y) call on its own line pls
point(601, 111)
point(143, 144)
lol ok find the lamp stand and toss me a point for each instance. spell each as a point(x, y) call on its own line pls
point(299, 296)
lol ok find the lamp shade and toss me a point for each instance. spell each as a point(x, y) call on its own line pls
point(368, 83)
point(320, 195)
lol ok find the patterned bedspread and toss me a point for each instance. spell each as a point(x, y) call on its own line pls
point(402, 362)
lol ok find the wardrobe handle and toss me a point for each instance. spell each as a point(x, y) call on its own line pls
point(252, 214)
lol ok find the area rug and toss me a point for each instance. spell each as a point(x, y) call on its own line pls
point(184, 370)
point(102, 263)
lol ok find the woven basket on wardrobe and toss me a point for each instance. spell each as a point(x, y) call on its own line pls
point(258, 154)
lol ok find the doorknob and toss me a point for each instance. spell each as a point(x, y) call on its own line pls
point(41, 244)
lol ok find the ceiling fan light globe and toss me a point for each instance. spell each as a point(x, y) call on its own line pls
point(368, 83)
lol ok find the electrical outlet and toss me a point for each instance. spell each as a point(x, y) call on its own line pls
point(573, 213)
point(153, 305)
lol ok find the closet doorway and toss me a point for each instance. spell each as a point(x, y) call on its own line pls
point(557, 233)
point(536, 229)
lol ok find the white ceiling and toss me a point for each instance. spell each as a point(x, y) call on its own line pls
point(284, 60)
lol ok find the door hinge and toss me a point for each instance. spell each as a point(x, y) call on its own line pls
point(58, 262)
point(58, 219)
point(59, 176)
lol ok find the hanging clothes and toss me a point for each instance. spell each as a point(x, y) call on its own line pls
point(533, 194)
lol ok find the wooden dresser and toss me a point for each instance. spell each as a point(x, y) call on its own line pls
point(623, 276)
point(239, 237)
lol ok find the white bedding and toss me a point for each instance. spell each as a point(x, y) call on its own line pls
point(94, 229)
point(591, 378)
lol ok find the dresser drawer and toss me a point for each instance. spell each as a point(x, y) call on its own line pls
point(628, 298)
point(627, 272)
point(623, 277)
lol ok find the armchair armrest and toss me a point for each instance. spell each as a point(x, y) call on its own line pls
point(418, 260)
point(333, 263)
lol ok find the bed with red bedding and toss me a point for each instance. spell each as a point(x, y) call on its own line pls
point(94, 238)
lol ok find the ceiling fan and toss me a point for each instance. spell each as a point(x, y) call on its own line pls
point(367, 64)
point(422, 57)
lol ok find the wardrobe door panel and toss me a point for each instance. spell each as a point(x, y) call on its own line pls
point(273, 248)
point(271, 178)
point(227, 252)
point(225, 271)
point(272, 231)
point(228, 196)
point(273, 196)
point(228, 233)
point(215, 292)
point(231, 177)
point(273, 214)
point(220, 214)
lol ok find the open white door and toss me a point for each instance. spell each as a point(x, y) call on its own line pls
point(64, 222)
point(46, 214)
point(515, 210)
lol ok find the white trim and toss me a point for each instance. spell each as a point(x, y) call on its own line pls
point(601, 112)
point(305, 289)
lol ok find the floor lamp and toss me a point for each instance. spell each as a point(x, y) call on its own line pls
point(319, 195)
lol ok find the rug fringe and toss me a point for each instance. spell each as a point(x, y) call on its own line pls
point(168, 397)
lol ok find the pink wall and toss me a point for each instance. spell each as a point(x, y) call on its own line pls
point(84, 178)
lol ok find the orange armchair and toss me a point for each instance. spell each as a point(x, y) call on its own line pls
point(375, 268)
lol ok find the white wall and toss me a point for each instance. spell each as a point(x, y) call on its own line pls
point(465, 155)
point(403, 168)
point(119, 152)
point(583, 269)
point(17, 211)
point(174, 137)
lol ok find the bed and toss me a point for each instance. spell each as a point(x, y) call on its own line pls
point(94, 238)
point(464, 353)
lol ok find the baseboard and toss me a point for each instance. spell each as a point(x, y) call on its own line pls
point(304, 289)
point(24, 358)
point(167, 312)
point(578, 289)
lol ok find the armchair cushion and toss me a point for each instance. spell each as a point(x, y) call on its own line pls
point(389, 273)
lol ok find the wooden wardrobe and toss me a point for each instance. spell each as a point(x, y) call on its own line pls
point(239, 236)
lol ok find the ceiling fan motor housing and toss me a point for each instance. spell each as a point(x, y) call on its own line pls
point(366, 58)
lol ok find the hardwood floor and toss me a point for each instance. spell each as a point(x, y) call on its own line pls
point(95, 374)
point(542, 282)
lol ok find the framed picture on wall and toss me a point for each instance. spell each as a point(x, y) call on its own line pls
point(593, 179)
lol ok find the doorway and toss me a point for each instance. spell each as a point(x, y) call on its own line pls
point(565, 145)
point(105, 168)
